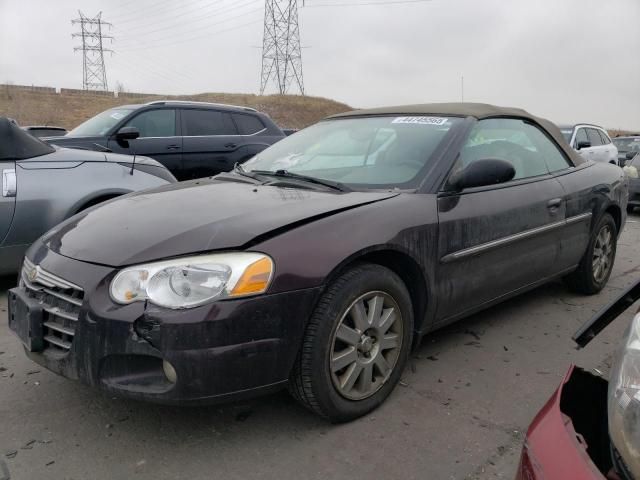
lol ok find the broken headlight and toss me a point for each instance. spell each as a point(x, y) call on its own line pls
point(624, 399)
point(192, 281)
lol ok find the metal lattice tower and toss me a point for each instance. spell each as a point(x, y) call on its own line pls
point(93, 71)
point(281, 52)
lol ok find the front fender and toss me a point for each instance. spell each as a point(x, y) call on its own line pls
point(308, 256)
point(39, 209)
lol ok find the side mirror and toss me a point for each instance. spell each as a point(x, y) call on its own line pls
point(127, 133)
point(484, 172)
point(583, 144)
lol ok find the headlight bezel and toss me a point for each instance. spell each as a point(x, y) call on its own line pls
point(259, 266)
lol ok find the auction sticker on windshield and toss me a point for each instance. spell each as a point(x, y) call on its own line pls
point(421, 120)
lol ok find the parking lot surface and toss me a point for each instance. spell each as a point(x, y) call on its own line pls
point(460, 411)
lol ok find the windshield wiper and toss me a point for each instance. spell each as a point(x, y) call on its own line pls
point(237, 168)
point(303, 178)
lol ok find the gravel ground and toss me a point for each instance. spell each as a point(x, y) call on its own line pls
point(460, 412)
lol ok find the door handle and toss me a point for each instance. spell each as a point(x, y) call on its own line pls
point(230, 145)
point(173, 147)
point(554, 205)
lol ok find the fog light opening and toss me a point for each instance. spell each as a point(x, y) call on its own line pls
point(169, 371)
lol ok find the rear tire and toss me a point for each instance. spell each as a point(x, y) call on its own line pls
point(356, 344)
point(594, 269)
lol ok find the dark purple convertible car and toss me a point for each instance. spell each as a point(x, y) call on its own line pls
point(321, 261)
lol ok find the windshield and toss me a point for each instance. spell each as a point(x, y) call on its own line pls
point(627, 144)
point(366, 152)
point(566, 133)
point(101, 123)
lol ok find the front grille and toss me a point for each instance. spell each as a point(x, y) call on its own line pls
point(61, 301)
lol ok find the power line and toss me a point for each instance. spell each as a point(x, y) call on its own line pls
point(160, 15)
point(94, 74)
point(281, 53)
point(200, 36)
point(217, 13)
point(362, 4)
point(129, 14)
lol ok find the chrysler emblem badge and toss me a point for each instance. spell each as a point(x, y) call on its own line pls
point(33, 274)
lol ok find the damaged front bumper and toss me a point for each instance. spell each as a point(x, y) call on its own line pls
point(226, 350)
point(569, 437)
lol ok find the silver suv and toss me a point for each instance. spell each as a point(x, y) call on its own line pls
point(591, 141)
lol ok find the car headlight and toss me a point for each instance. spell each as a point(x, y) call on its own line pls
point(624, 399)
point(191, 281)
point(631, 171)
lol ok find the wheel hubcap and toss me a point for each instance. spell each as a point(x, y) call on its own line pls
point(602, 254)
point(366, 345)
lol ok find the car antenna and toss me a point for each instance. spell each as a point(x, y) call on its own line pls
point(133, 164)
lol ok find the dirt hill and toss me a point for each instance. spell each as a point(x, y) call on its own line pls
point(69, 108)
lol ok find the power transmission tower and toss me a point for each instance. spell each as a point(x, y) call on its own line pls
point(281, 52)
point(94, 75)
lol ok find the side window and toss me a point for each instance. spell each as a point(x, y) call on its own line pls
point(594, 137)
point(155, 123)
point(206, 122)
point(581, 136)
point(603, 136)
point(554, 157)
point(512, 140)
point(247, 124)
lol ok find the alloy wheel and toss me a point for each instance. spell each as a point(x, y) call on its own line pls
point(366, 345)
point(602, 254)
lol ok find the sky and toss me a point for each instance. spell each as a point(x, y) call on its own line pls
point(566, 60)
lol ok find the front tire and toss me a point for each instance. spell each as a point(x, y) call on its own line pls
point(595, 267)
point(356, 344)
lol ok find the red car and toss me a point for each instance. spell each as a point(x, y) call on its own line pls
point(590, 428)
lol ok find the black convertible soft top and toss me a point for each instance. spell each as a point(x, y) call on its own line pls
point(16, 144)
point(476, 110)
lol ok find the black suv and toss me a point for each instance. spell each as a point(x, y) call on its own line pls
point(192, 139)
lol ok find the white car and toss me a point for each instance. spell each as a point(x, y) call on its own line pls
point(591, 141)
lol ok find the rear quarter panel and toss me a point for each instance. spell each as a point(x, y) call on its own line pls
point(592, 187)
point(602, 185)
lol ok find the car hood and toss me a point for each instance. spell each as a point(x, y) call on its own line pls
point(192, 217)
point(71, 139)
point(76, 156)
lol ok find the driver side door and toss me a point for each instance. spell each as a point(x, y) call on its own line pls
point(498, 239)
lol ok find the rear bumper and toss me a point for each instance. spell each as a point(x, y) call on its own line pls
point(568, 439)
